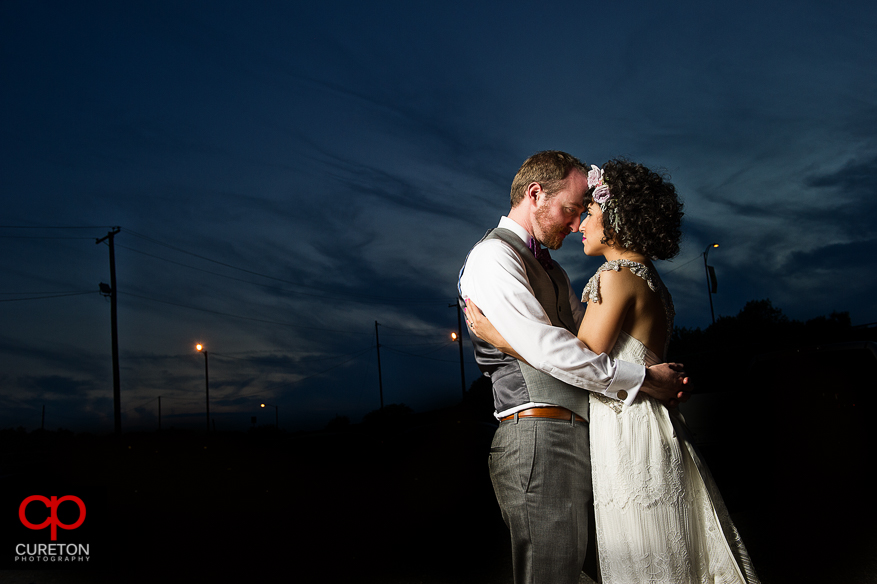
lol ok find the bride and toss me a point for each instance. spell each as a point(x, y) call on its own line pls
point(659, 516)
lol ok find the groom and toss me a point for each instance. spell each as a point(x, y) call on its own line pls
point(540, 458)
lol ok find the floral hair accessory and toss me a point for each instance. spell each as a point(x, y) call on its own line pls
point(595, 179)
point(608, 204)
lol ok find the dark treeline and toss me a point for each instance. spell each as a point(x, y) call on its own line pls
point(760, 336)
point(783, 412)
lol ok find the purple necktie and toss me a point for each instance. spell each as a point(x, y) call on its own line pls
point(542, 255)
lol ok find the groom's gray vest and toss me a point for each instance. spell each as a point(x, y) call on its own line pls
point(514, 382)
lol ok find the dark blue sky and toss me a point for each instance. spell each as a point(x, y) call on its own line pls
point(285, 175)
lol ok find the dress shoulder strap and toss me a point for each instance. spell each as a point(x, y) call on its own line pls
point(591, 292)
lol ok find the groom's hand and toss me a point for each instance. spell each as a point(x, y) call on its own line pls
point(667, 383)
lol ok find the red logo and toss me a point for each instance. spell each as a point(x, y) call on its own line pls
point(52, 505)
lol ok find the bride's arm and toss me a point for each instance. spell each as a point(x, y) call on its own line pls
point(484, 329)
point(599, 328)
point(603, 320)
point(602, 323)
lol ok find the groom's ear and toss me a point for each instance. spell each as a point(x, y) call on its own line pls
point(532, 193)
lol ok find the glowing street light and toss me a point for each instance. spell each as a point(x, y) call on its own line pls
point(200, 348)
point(711, 284)
point(276, 414)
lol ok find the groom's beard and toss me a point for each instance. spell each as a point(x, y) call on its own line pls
point(552, 235)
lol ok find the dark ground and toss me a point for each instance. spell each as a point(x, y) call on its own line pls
point(411, 502)
point(381, 505)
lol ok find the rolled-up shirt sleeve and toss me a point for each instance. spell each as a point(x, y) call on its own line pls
point(496, 280)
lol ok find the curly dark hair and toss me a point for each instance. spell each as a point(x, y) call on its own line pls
point(645, 207)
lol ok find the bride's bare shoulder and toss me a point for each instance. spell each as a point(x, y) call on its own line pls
point(613, 287)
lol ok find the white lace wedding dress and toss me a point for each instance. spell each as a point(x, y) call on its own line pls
point(659, 516)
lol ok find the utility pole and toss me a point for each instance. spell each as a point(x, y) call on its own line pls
point(276, 414)
point(380, 382)
point(159, 413)
point(711, 284)
point(459, 340)
point(207, 391)
point(202, 349)
point(117, 407)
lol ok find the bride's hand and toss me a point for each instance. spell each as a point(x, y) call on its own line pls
point(478, 323)
point(484, 329)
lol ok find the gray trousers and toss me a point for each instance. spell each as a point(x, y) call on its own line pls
point(541, 474)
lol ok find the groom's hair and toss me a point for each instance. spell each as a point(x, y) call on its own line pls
point(549, 168)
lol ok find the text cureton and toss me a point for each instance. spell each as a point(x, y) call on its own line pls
point(52, 549)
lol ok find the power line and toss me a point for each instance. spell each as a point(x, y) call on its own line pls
point(348, 298)
point(44, 293)
point(277, 385)
point(40, 237)
point(57, 226)
point(423, 356)
point(254, 319)
point(441, 343)
point(139, 405)
point(250, 318)
point(47, 297)
point(407, 333)
point(322, 293)
point(683, 265)
point(267, 359)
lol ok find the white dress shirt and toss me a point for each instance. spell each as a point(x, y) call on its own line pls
point(495, 278)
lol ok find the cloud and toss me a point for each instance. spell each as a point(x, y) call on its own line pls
point(849, 195)
point(350, 167)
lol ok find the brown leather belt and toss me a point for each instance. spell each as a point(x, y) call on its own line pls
point(554, 412)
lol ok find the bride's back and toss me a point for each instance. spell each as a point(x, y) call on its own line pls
point(646, 320)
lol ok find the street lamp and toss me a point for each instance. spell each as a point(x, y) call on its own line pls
point(200, 348)
point(276, 414)
point(711, 284)
point(458, 336)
